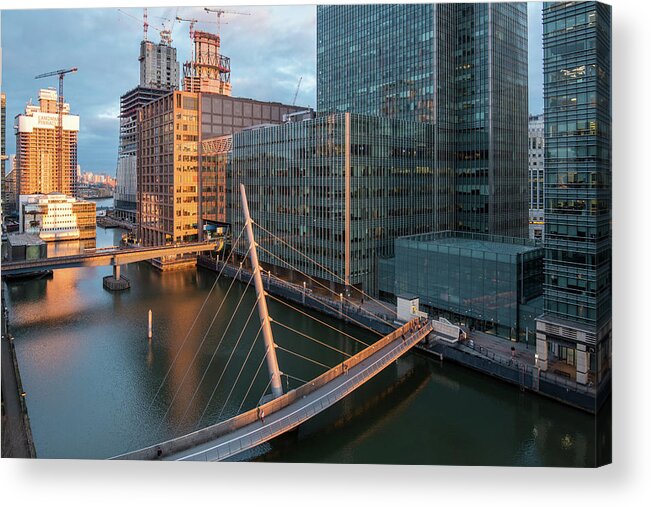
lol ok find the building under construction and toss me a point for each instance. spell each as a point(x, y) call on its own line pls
point(209, 71)
point(37, 143)
point(159, 75)
point(159, 67)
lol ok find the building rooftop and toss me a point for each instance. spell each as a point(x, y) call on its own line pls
point(475, 241)
point(24, 239)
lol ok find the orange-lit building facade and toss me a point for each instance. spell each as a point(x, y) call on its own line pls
point(37, 161)
point(173, 184)
point(167, 169)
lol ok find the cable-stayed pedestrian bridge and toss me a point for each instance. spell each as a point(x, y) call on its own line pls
point(276, 412)
point(249, 429)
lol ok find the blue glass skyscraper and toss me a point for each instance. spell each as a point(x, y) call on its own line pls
point(575, 330)
point(462, 67)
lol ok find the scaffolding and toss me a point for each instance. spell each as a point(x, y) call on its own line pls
point(209, 71)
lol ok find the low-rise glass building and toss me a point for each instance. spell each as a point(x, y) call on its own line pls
point(339, 188)
point(491, 283)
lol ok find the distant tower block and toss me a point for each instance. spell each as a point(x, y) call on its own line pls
point(209, 72)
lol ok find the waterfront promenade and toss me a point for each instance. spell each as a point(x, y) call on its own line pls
point(489, 354)
point(17, 439)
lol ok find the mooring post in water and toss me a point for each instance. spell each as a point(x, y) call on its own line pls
point(149, 334)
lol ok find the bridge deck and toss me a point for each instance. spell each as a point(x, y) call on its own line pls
point(291, 409)
point(107, 257)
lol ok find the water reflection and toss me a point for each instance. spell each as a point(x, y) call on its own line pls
point(98, 387)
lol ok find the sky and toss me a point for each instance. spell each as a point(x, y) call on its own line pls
point(270, 50)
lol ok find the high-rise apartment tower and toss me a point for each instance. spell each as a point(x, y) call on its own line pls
point(37, 163)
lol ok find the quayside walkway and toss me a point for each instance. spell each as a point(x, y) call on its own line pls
point(247, 430)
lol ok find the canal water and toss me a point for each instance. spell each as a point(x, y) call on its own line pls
point(96, 387)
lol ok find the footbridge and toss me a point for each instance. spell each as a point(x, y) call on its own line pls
point(276, 412)
point(113, 256)
point(247, 430)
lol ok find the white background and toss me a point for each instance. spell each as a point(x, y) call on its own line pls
point(626, 482)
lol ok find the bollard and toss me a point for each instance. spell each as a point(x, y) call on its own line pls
point(149, 334)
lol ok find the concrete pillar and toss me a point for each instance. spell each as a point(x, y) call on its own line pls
point(116, 271)
point(541, 350)
point(582, 364)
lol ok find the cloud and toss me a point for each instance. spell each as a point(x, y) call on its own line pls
point(270, 49)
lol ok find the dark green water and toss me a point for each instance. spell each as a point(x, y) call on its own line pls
point(91, 378)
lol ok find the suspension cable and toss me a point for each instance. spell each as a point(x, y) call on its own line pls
point(323, 267)
point(264, 356)
point(196, 353)
point(317, 320)
point(303, 357)
point(337, 310)
point(228, 362)
point(329, 290)
point(295, 378)
point(178, 352)
point(205, 372)
point(310, 338)
point(265, 390)
point(239, 373)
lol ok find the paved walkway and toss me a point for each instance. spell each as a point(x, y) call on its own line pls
point(301, 410)
point(14, 435)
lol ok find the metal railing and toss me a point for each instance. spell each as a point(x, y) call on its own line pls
point(211, 433)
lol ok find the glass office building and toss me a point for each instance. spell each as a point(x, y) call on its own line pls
point(576, 326)
point(462, 67)
point(339, 188)
point(479, 280)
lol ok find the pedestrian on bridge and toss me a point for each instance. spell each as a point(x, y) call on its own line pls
point(261, 414)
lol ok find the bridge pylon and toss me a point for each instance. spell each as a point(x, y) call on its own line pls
point(270, 346)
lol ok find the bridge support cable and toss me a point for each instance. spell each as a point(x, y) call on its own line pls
point(178, 352)
point(196, 353)
point(390, 310)
point(228, 362)
point(338, 311)
point(295, 378)
point(255, 339)
point(304, 357)
point(294, 268)
point(212, 357)
point(311, 338)
point(320, 321)
point(255, 376)
point(264, 392)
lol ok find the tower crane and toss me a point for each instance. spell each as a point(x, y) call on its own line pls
point(192, 23)
point(165, 35)
point(297, 88)
point(61, 73)
point(221, 12)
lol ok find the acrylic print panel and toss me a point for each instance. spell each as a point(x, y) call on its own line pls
point(329, 234)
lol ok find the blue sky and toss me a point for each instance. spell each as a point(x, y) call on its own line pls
point(270, 50)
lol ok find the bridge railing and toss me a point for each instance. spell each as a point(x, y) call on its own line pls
point(315, 406)
point(209, 433)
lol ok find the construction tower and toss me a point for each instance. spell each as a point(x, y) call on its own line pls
point(208, 71)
